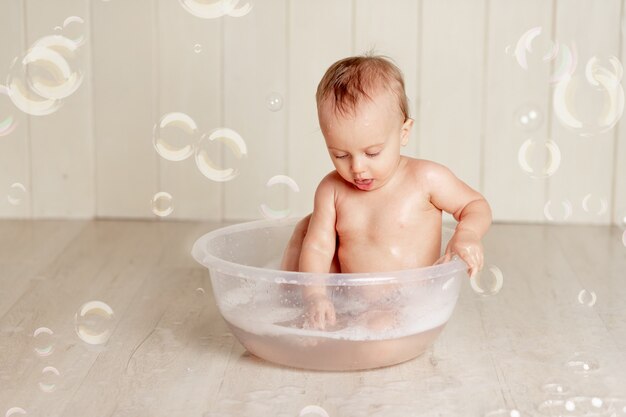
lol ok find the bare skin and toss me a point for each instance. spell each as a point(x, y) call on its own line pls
point(378, 210)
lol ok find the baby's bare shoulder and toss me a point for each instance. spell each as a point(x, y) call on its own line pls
point(423, 169)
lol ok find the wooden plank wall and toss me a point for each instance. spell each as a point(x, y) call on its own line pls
point(94, 157)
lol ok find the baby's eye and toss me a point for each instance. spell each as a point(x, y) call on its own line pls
point(371, 155)
point(340, 156)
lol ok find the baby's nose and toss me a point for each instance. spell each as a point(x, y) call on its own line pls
point(357, 166)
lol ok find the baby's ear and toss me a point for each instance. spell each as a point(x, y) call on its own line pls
point(405, 133)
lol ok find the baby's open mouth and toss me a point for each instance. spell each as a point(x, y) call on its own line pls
point(363, 184)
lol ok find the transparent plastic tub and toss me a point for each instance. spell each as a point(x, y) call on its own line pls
point(263, 308)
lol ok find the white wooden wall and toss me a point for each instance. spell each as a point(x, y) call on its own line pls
point(94, 157)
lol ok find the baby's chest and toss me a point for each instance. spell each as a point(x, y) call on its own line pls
point(388, 214)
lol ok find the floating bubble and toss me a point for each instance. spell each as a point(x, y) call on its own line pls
point(313, 410)
point(16, 194)
point(174, 136)
point(539, 159)
point(200, 291)
point(93, 322)
point(552, 213)
point(7, 120)
point(587, 297)
point(624, 238)
point(488, 282)
point(43, 341)
point(229, 138)
point(50, 376)
point(532, 50)
point(212, 9)
point(267, 211)
point(15, 411)
point(594, 205)
point(162, 204)
point(555, 388)
point(528, 117)
point(197, 48)
point(582, 364)
point(508, 50)
point(53, 69)
point(21, 92)
point(74, 29)
point(592, 106)
point(274, 101)
point(503, 412)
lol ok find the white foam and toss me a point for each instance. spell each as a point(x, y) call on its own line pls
point(257, 309)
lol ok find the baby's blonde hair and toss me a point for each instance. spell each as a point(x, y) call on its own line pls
point(350, 80)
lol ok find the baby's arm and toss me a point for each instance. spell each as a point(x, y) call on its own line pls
point(318, 250)
point(468, 207)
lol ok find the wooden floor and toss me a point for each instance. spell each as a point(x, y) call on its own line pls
point(171, 354)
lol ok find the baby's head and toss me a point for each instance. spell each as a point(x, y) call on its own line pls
point(364, 115)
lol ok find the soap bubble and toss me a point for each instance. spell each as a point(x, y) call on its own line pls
point(15, 412)
point(528, 117)
point(21, 92)
point(594, 205)
point(43, 341)
point(7, 119)
point(592, 105)
point(93, 322)
point(558, 212)
point(539, 159)
point(488, 282)
point(53, 69)
point(212, 9)
point(313, 410)
point(197, 48)
point(554, 387)
point(74, 29)
point(534, 50)
point(624, 238)
point(174, 136)
point(16, 194)
point(580, 363)
point(49, 377)
point(267, 211)
point(274, 101)
point(162, 204)
point(587, 297)
point(226, 137)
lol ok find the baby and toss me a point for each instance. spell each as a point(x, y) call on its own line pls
point(378, 210)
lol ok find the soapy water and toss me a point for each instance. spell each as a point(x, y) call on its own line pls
point(268, 319)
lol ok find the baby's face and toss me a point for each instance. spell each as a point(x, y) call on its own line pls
point(365, 147)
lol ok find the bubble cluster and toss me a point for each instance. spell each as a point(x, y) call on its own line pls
point(539, 159)
point(591, 104)
point(176, 137)
point(48, 72)
point(488, 282)
point(162, 204)
point(534, 50)
point(93, 322)
point(207, 9)
point(271, 213)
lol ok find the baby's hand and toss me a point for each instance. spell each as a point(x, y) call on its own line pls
point(319, 311)
point(466, 244)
